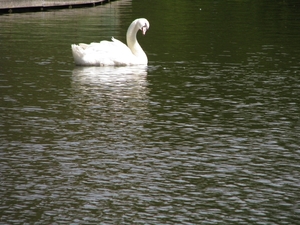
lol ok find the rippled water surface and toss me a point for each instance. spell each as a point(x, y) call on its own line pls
point(208, 133)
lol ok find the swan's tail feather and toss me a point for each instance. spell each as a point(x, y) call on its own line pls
point(78, 54)
point(83, 46)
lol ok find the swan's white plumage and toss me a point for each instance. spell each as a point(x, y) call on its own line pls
point(113, 53)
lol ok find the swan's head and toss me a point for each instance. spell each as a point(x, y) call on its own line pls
point(143, 25)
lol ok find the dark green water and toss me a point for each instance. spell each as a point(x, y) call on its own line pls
point(208, 133)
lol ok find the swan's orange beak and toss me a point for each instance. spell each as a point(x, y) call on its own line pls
point(144, 29)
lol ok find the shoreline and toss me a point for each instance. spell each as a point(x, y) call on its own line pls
point(11, 6)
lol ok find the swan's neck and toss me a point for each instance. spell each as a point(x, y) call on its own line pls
point(132, 42)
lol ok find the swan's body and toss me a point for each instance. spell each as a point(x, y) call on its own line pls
point(114, 53)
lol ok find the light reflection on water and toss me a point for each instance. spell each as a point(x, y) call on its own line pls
point(208, 139)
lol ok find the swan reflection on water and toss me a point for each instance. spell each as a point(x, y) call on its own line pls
point(112, 101)
point(110, 75)
point(111, 82)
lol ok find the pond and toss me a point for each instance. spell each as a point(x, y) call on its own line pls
point(207, 133)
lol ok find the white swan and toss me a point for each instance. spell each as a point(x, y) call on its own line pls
point(114, 53)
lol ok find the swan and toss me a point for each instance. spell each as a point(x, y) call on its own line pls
point(114, 52)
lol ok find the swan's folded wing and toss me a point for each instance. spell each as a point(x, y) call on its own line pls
point(109, 52)
point(103, 53)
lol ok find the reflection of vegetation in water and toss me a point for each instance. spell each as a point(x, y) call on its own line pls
point(218, 26)
point(59, 29)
